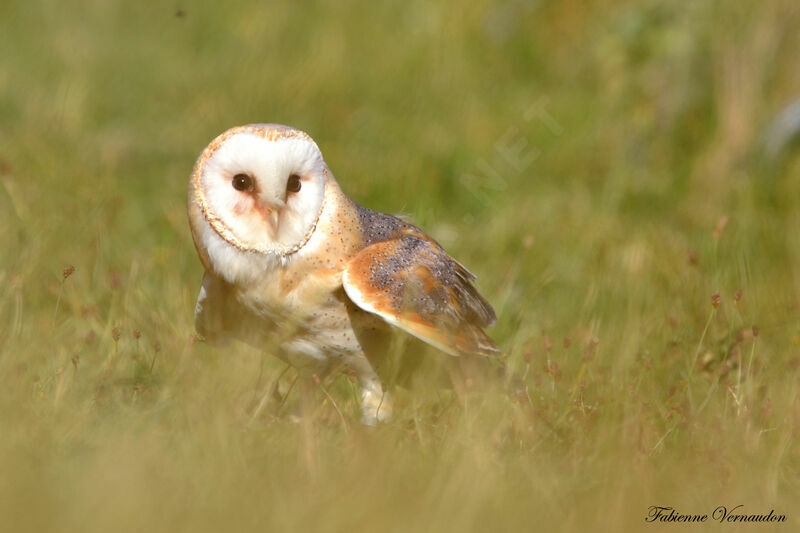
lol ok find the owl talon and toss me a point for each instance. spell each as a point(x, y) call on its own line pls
point(376, 407)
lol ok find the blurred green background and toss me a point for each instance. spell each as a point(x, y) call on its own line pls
point(601, 166)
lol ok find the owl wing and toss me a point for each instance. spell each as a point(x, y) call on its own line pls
point(412, 283)
point(217, 317)
point(208, 320)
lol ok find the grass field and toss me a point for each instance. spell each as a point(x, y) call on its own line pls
point(600, 167)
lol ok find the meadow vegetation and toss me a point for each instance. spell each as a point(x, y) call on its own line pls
point(599, 165)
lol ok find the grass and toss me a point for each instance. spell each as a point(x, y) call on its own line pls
point(598, 165)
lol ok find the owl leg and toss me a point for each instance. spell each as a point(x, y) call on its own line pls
point(376, 404)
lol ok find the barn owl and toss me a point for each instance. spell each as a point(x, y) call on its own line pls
point(292, 263)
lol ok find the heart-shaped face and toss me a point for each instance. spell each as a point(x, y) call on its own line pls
point(261, 188)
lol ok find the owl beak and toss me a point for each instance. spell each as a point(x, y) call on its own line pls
point(270, 214)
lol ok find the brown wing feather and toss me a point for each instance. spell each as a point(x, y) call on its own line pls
point(412, 283)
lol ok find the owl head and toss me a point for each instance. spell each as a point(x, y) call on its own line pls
point(258, 188)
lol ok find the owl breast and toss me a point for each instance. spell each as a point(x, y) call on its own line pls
point(311, 337)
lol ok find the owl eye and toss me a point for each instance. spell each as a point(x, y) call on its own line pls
point(293, 185)
point(242, 182)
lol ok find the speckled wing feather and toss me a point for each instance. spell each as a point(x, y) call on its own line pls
point(412, 283)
